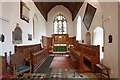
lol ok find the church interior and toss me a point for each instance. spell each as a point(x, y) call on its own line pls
point(42, 40)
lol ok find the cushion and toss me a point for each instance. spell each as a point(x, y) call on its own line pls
point(51, 52)
point(20, 68)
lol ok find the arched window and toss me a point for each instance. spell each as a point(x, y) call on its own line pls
point(35, 26)
point(78, 29)
point(60, 25)
point(98, 39)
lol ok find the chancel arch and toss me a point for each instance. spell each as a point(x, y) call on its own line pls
point(59, 9)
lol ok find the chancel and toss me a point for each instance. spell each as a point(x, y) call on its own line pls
point(59, 40)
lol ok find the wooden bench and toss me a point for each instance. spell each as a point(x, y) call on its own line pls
point(19, 63)
point(74, 61)
point(35, 52)
point(38, 57)
point(103, 70)
point(86, 52)
point(34, 47)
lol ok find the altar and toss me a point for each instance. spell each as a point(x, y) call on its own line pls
point(59, 48)
point(59, 43)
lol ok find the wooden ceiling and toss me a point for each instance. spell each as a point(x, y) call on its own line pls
point(45, 7)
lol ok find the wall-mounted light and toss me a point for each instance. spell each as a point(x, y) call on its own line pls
point(110, 39)
point(2, 38)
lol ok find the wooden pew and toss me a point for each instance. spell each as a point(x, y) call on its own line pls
point(3, 65)
point(36, 47)
point(35, 52)
point(38, 57)
point(88, 52)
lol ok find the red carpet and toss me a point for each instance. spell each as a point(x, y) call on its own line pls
point(6, 75)
point(61, 62)
point(60, 66)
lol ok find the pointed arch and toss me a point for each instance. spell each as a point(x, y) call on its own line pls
point(78, 37)
point(35, 25)
point(98, 39)
point(88, 38)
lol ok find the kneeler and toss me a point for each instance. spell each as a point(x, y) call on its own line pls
point(6, 75)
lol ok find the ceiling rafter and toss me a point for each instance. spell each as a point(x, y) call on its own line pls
point(45, 7)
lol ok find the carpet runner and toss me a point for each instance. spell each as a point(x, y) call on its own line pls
point(45, 65)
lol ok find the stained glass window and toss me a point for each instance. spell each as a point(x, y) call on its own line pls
point(60, 25)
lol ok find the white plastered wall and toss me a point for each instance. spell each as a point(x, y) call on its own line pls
point(11, 13)
point(110, 11)
point(96, 20)
point(59, 9)
point(107, 10)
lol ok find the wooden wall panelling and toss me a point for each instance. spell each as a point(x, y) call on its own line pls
point(60, 38)
point(49, 41)
point(71, 40)
point(44, 41)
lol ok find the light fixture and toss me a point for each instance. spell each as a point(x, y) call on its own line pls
point(60, 36)
point(2, 38)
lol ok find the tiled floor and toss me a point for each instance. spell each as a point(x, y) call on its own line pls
point(61, 67)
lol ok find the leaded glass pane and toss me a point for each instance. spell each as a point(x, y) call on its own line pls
point(60, 25)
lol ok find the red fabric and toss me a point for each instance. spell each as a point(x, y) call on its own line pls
point(61, 62)
point(67, 52)
point(6, 75)
point(51, 52)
